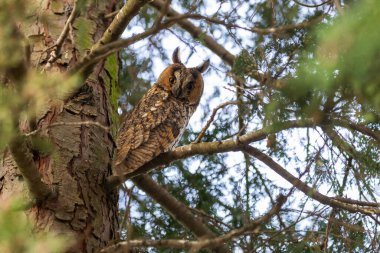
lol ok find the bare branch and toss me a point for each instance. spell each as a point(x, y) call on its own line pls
point(58, 44)
point(24, 160)
point(311, 192)
point(240, 231)
point(357, 202)
point(194, 246)
point(312, 5)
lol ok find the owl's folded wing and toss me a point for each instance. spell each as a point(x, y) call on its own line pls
point(152, 128)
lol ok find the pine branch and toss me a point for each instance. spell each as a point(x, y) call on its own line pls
point(176, 209)
point(196, 32)
point(340, 143)
point(361, 128)
point(120, 22)
point(311, 192)
point(194, 246)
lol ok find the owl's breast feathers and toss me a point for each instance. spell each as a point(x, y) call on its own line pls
point(153, 127)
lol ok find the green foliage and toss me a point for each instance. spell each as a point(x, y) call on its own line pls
point(16, 234)
point(345, 62)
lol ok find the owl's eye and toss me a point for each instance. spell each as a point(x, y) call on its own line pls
point(190, 85)
point(171, 79)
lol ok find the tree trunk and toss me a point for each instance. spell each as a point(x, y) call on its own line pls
point(82, 152)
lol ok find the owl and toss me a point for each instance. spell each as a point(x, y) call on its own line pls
point(160, 117)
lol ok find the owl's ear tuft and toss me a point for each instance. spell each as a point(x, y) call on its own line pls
point(204, 66)
point(176, 57)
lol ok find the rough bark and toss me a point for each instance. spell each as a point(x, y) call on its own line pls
point(81, 158)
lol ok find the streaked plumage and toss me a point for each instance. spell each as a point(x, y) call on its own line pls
point(160, 117)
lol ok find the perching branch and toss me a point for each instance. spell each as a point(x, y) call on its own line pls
point(24, 160)
point(176, 209)
point(311, 192)
point(194, 246)
point(206, 148)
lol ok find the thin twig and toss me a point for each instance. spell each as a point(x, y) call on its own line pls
point(58, 44)
point(312, 5)
point(211, 119)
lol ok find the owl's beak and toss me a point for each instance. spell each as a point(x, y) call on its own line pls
point(176, 90)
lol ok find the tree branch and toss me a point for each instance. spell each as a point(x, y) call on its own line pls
point(196, 32)
point(262, 31)
point(312, 6)
point(24, 160)
point(375, 134)
point(101, 52)
point(311, 192)
point(175, 208)
point(113, 32)
point(214, 46)
point(340, 142)
point(204, 243)
point(120, 22)
point(206, 148)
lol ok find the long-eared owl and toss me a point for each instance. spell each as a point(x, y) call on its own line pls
point(160, 117)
